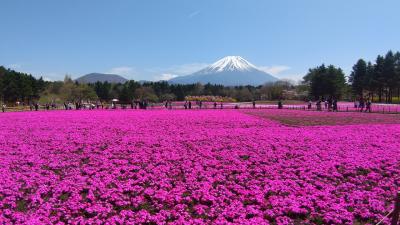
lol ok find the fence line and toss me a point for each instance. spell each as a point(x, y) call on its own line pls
point(375, 109)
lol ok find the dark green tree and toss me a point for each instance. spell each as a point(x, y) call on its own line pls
point(358, 77)
point(325, 81)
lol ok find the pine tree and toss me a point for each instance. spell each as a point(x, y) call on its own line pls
point(358, 77)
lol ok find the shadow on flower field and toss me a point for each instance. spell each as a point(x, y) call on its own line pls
point(315, 118)
point(198, 167)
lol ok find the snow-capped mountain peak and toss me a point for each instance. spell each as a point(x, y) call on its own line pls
point(229, 71)
point(230, 63)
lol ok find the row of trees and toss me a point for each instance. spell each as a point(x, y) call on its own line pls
point(15, 86)
point(380, 79)
point(20, 87)
point(162, 91)
point(67, 91)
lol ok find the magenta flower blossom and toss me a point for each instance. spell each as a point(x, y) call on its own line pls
point(198, 167)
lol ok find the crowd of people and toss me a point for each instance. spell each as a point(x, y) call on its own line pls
point(362, 103)
point(330, 104)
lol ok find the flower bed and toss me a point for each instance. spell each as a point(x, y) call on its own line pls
point(209, 166)
point(314, 118)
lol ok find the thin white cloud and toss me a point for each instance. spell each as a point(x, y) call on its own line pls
point(274, 70)
point(127, 71)
point(193, 14)
point(165, 76)
point(186, 69)
point(47, 79)
point(176, 70)
point(14, 66)
point(50, 76)
point(291, 76)
point(281, 72)
point(46, 76)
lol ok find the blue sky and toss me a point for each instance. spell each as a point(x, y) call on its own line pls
point(149, 39)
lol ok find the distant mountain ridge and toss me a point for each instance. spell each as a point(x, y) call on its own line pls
point(102, 77)
point(228, 71)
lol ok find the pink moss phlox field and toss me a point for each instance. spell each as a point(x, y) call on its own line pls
point(198, 167)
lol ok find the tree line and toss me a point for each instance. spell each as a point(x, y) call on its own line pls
point(16, 86)
point(379, 81)
point(24, 88)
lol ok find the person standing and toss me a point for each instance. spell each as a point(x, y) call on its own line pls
point(280, 105)
point(3, 108)
point(254, 104)
point(190, 105)
point(330, 102)
point(215, 105)
point(309, 104)
point(319, 105)
point(335, 108)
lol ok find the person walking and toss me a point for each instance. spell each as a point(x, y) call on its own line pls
point(309, 104)
point(215, 105)
point(368, 106)
point(221, 106)
point(3, 108)
point(190, 105)
point(254, 104)
point(362, 104)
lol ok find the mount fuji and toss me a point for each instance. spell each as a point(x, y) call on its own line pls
point(228, 71)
